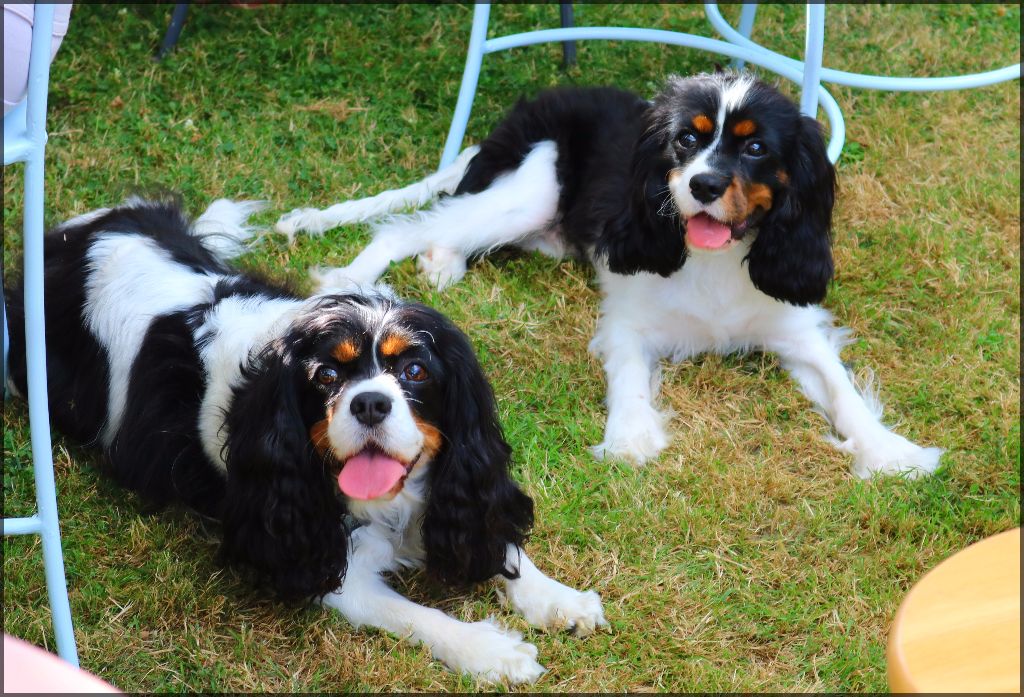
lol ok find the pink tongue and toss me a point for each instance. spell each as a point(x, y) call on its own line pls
point(706, 233)
point(367, 476)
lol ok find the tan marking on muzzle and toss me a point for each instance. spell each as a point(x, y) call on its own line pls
point(318, 436)
point(432, 438)
point(758, 196)
point(740, 200)
point(733, 201)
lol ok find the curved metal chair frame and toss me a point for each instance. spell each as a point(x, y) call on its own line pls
point(25, 141)
point(808, 73)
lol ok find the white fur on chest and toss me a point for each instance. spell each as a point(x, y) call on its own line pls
point(399, 520)
point(708, 305)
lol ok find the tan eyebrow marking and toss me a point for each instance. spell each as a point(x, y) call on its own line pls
point(703, 124)
point(346, 351)
point(744, 127)
point(393, 345)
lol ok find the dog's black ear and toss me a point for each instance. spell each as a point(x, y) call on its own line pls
point(645, 233)
point(475, 510)
point(282, 520)
point(791, 258)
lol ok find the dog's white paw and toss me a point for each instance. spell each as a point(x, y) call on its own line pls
point(490, 653)
point(556, 607)
point(349, 278)
point(336, 280)
point(301, 220)
point(442, 266)
point(639, 435)
point(892, 454)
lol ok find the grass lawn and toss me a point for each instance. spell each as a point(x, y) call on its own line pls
point(745, 558)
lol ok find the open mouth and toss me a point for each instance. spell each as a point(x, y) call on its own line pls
point(705, 232)
point(371, 473)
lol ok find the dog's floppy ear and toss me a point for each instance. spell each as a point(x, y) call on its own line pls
point(645, 233)
point(791, 258)
point(475, 509)
point(282, 520)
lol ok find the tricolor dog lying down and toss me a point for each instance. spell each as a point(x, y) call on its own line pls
point(706, 214)
point(335, 438)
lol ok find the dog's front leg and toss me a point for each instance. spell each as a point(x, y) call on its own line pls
point(813, 360)
point(548, 604)
point(484, 649)
point(635, 429)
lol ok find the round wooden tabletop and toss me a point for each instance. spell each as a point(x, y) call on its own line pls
point(958, 629)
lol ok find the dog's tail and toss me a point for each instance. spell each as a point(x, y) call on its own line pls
point(315, 221)
point(224, 228)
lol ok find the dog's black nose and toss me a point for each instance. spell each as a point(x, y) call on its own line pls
point(707, 186)
point(370, 408)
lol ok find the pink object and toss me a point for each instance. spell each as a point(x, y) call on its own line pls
point(368, 475)
point(18, 40)
point(28, 668)
point(706, 233)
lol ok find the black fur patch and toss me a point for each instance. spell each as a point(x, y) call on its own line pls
point(615, 153)
point(282, 516)
point(157, 451)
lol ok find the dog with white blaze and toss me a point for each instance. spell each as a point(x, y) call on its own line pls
point(706, 213)
point(335, 438)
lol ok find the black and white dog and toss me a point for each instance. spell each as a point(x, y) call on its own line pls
point(336, 438)
point(706, 214)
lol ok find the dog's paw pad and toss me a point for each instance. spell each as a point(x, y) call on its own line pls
point(338, 280)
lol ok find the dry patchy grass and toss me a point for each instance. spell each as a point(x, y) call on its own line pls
point(745, 558)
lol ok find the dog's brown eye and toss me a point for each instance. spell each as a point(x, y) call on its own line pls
point(326, 376)
point(755, 148)
point(687, 139)
point(414, 372)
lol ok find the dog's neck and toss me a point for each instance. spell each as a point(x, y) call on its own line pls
point(399, 519)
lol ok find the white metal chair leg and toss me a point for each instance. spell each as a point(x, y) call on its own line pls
point(7, 341)
point(865, 81)
point(746, 26)
point(480, 45)
point(814, 48)
point(467, 90)
point(30, 148)
point(39, 417)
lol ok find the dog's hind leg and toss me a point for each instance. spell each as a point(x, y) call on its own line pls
point(316, 221)
point(514, 208)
